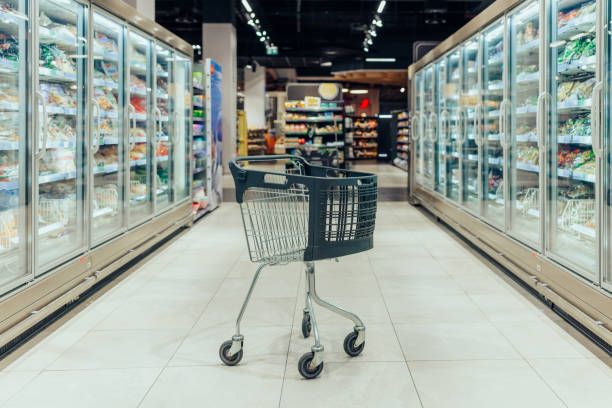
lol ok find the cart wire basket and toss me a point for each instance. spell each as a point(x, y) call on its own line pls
point(303, 213)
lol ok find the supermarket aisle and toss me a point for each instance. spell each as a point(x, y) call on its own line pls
point(444, 330)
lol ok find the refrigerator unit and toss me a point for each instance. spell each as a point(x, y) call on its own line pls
point(515, 110)
point(95, 146)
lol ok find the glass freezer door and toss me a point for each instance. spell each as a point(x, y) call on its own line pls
point(469, 101)
point(60, 158)
point(107, 128)
point(431, 128)
point(417, 128)
point(442, 126)
point(522, 133)
point(451, 97)
point(165, 129)
point(492, 139)
point(140, 128)
point(14, 99)
point(573, 166)
point(182, 143)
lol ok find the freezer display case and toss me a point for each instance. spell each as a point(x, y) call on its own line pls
point(533, 133)
point(14, 88)
point(573, 66)
point(61, 129)
point(442, 126)
point(453, 115)
point(491, 114)
point(164, 121)
point(470, 98)
point(107, 127)
point(431, 127)
point(141, 124)
point(181, 146)
point(522, 135)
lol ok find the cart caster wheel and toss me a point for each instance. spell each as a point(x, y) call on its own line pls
point(305, 369)
point(306, 325)
point(230, 361)
point(349, 345)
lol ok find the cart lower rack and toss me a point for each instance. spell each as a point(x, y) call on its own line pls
point(303, 213)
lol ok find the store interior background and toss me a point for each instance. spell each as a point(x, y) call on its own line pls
point(315, 41)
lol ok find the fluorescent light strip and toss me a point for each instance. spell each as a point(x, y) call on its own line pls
point(247, 6)
point(381, 6)
point(380, 60)
point(359, 91)
point(384, 116)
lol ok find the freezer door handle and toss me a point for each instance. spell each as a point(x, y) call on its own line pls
point(95, 145)
point(540, 106)
point(43, 148)
point(444, 119)
point(414, 127)
point(434, 126)
point(502, 124)
point(158, 127)
point(133, 127)
point(595, 119)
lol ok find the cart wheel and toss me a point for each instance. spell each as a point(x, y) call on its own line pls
point(306, 325)
point(304, 367)
point(349, 344)
point(230, 361)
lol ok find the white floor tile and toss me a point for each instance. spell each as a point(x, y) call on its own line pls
point(353, 384)
point(120, 349)
point(538, 340)
point(261, 345)
point(476, 384)
point(578, 382)
point(381, 343)
point(86, 388)
point(244, 385)
point(11, 383)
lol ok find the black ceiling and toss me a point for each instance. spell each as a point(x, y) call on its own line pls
point(308, 32)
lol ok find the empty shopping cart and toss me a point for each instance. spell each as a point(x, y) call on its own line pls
point(303, 213)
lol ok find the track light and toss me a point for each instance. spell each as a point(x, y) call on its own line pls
point(247, 6)
point(381, 6)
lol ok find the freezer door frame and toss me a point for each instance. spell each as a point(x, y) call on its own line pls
point(122, 153)
point(189, 128)
point(41, 269)
point(595, 276)
point(26, 155)
point(171, 127)
point(127, 127)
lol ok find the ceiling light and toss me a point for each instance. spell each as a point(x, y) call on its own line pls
point(402, 89)
point(345, 90)
point(262, 39)
point(373, 33)
point(365, 48)
point(248, 66)
point(385, 116)
point(326, 64)
point(247, 6)
point(380, 60)
point(264, 33)
point(381, 6)
point(359, 91)
point(251, 22)
point(378, 21)
point(369, 41)
point(256, 21)
point(258, 33)
point(253, 15)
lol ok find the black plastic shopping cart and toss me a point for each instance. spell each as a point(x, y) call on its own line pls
point(303, 213)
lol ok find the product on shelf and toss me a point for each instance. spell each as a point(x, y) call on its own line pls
point(577, 49)
point(138, 152)
point(105, 44)
point(58, 161)
point(56, 95)
point(576, 127)
point(9, 47)
point(567, 18)
point(52, 57)
point(527, 33)
point(9, 169)
point(528, 155)
point(61, 129)
point(575, 92)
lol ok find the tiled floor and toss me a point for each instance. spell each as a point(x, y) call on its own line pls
point(443, 330)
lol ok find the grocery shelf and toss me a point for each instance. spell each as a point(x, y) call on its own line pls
point(321, 109)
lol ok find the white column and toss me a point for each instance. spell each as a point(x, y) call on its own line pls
point(255, 97)
point(146, 7)
point(219, 44)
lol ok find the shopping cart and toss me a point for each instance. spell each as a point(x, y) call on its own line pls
point(303, 213)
